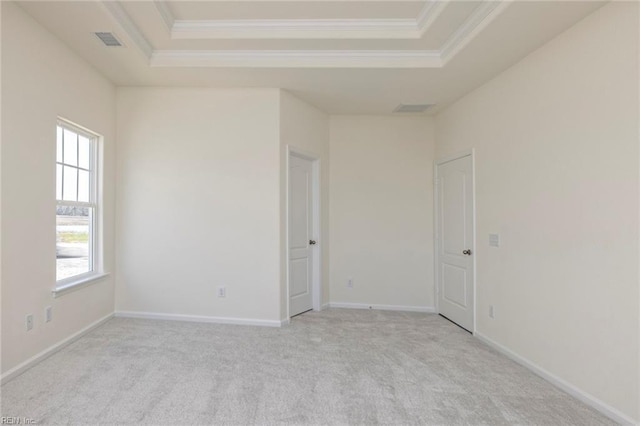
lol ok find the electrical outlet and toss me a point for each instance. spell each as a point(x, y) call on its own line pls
point(491, 311)
point(222, 291)
point(29, 322)
point(48, 314)
point(350, 283)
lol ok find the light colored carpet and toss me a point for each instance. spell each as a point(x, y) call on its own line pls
point(332, 367)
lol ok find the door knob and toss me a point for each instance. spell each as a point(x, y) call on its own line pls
point(467, 252)
point(312, 242)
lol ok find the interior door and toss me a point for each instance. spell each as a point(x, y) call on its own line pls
point(300, 235)
point(455, 241)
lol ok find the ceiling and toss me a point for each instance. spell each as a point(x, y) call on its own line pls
point(345, 57)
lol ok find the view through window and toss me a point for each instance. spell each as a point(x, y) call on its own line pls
point(76, 202)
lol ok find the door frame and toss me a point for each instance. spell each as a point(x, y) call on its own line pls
point(316, 275)
point(436, 220)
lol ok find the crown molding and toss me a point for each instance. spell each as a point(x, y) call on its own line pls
point(342, 28)
point(329, 29)
point(118, 13)
point(482, 16)
point(297, 59)
point(165, 13)
point(332, 29)
point(429, 14)
point(367, 29)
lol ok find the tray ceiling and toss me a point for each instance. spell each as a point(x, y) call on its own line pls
point(311, 46)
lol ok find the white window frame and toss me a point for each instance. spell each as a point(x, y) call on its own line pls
point(95, 202)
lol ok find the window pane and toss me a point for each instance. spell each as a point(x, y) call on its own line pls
point(73, 241)
point(70, 187)
point(70, 148)
point(84, 151)
point(59, 145)
point(58, 182)
point(83, 186)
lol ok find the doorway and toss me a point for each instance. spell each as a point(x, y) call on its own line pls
point(303, 230)
point(455, 239)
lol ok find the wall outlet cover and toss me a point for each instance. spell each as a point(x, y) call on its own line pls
point(29, 322)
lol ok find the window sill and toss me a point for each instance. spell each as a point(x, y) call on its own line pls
point(78, 284)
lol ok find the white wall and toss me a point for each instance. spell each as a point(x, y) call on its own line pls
point(382, 210)
point(305, 128)
point(198, 202)
point(42, 80)
point(556, 138)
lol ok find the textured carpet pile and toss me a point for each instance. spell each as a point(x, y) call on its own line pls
point(331, 367)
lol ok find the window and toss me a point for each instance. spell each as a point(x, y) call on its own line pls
point(77, 206)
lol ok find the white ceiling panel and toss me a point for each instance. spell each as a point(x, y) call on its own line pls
point(232, 10)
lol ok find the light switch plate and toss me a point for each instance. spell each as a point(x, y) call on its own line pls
point(494, 240)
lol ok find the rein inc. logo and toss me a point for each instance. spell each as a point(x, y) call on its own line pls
point(8, 420)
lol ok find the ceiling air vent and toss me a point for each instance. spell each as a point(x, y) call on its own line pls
point(108, 39)
point(402, 108)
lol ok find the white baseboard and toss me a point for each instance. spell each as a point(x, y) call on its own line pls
point(21, 368)
point(588, 399)
point(200, 318)
point(324, 307)
point(428, 309)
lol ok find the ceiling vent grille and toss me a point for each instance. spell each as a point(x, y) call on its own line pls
point(108, 39)
point(402, 108)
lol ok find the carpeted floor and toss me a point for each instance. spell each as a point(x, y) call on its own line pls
point(331, 367)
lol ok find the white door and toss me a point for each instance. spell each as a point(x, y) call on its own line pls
point(300, 235)
point(455, 241)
